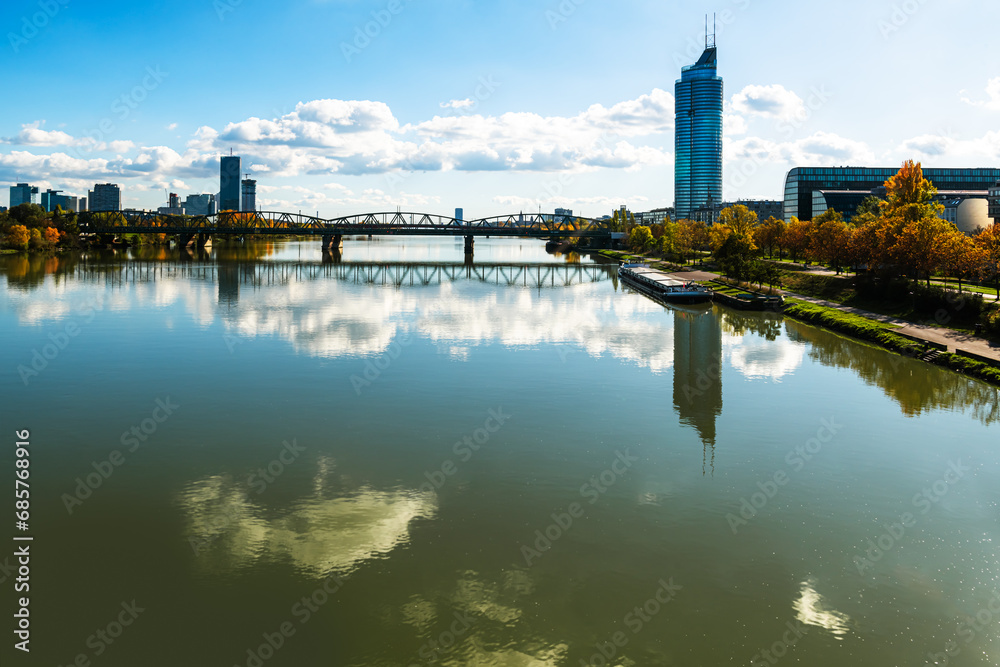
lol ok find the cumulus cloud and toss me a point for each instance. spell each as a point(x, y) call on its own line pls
point(773, 101)
point(821, 148)
point(993, 96)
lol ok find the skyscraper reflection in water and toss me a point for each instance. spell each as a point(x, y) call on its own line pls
point(698, 375)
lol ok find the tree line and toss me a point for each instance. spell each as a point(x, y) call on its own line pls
point(902, 235)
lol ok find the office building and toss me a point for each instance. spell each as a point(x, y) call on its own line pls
point(249, 201)
point(994, 206)
point(809, 191)
point(460, 214)
point(173, 206)
point(229, 183)
point(22, 193)
point(199, 205)
point(698, 135)
point(969, 211)
point(105, 197)
point(654, 217)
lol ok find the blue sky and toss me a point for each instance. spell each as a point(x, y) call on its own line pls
point(494, 107)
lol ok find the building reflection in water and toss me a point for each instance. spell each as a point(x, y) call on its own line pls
point(698, 374)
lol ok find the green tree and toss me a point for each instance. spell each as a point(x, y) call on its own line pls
point(640, 239)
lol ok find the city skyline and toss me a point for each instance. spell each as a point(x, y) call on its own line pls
point(357, 122)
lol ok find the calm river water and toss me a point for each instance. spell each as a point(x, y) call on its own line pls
point(254, 457)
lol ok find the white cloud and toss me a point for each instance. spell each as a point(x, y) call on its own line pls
point(773, 101)
point(458, 104)
point(821, 148)
point(172, 127)
point(992, 93)
point(733, 124)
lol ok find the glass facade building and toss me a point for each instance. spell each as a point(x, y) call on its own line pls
point(229, 183)
point(698, 137)
point(807, 188)
point(23, 193)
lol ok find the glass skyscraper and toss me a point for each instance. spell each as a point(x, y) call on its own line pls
point(229, 183)
point(698, 136)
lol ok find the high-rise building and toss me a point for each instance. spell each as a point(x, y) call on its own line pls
point(199, 204)
point(698, 135)
point(229, 183)
point(249, 202)
point(22, 193)
point(51, 199)
point(173, 206)
point(105, 197)
point(460, 214)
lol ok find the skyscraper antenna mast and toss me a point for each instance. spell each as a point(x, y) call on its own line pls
point(710, 37)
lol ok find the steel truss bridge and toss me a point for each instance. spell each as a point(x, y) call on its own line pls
point(233, 223)
point(398, 274)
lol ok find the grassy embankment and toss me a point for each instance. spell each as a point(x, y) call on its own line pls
point(933, 306)
point(883, 335)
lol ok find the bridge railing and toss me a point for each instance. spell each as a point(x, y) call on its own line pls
point(268, 222)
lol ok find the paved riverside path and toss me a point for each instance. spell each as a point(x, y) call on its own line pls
point(954, 340)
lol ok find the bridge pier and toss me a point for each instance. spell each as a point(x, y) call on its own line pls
point(185, 240)
point(204, 240)
point(333, 254)
point(333, 241)
point(469, 244)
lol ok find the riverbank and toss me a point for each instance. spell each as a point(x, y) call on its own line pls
point(893, 337)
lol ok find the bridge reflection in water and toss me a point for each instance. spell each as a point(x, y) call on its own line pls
point(230, 276)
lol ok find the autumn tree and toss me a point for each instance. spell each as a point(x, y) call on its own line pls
point(18, 237)
point(988, 242)
point(830, 238)
point(768, 235)
point(796, 237)
point(718, 234)
point(961, 257)
point(740, 219)
point(51, 235)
